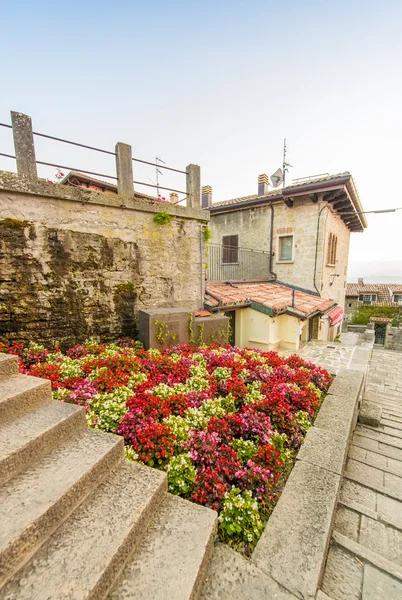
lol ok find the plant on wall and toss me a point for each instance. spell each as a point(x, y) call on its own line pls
point(162, 218)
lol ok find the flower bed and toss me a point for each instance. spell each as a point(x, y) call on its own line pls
point(224, 423)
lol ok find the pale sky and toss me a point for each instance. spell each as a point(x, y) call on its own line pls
point(219, 84)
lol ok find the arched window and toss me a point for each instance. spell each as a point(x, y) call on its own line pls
point(332, 247)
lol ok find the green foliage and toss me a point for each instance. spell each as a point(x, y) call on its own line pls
point(162, 218)
point(303, 421)
point(207, 233)
point(181, 475)
point(163, 333)
point(240, 518)
point(364, 313)
point(246, 449)
point(14, 223)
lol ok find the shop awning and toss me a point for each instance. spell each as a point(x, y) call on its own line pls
point(335, 316)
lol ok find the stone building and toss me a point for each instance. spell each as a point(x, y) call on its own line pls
point(371, 294)
point(303, 231)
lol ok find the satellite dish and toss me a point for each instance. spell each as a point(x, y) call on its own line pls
point(277, 178)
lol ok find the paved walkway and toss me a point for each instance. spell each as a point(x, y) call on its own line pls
point(365, 556)
point(332, 356)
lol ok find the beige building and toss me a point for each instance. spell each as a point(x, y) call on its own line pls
point(301, 233)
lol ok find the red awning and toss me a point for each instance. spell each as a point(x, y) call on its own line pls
point(335, 316)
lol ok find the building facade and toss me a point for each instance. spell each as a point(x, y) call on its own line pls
point(304, 231)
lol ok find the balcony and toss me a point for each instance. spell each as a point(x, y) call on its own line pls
point(231, 263)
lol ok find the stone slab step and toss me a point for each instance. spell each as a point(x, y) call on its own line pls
point(8, 365)
point(232, 577)
point(36, 502)
point(33, 434)
point(173, 556)
point(20, 393)
point(86, 554)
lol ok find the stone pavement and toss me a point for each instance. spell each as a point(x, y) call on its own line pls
point(365, 555)
point(333, 356)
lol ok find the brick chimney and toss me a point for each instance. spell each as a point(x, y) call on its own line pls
point(360, 281)
point(262, 185)
point(173, 197)
point(206, 196)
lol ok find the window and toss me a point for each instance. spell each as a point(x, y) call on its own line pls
point(230, 249)
point(397, 298)
point(367, 298)
point(332, 247)
point(285, 247)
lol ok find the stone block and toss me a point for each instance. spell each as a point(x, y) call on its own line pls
point(346, 383)
point(293, 547)
point(337, 414)
point(377, 584)
point(370, 413)
point(324, 449)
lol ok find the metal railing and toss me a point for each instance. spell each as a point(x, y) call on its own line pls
point(25, 142)
point(230, 263)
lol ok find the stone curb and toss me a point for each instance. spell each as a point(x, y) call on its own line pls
point(293, 548)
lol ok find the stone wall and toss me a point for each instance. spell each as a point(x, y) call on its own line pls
point(252, 225)
point(393, 338)
point(76, 263)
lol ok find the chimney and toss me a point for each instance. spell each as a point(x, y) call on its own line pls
point(206, 196)
point(360, 281)
point(262, 185)
point(173, 197)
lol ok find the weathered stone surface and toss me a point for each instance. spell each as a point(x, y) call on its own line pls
point(381, 538)
point(348, 383)
point(37, 501)
point(232, 577)
point(173, 555)
point(347, 522)
point(370, 413)
point(293, 546)
point(380, 586)
point(8, 365)
point(354, 492)
point(87, 553)
point(324, 449)
point(77, 264)
point(343, 575)
point(389, 510)
point(337, 415)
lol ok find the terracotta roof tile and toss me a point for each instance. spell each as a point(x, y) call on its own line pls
point(272, 295)
point(384, 291)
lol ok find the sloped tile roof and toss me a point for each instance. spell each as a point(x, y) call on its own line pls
point(280, 191)
point(272, 295)
point(382, 290)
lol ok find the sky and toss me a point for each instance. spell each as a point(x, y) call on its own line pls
point(219, 84)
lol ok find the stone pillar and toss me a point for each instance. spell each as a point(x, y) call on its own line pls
point(24, 145)
point(206, 196)
point(193, 186)
point(124, 169)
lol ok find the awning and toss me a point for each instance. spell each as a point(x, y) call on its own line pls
point(335, 316)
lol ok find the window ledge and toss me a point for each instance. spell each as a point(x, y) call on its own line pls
point(230, 264)
point(285, 262)
point(330, 265)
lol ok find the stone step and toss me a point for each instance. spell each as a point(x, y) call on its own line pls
point(35, 433)
point(36, 502)
point(8, 365)
point(232, 577)
point(20, 393)
point(173, 556)
point(87, 553)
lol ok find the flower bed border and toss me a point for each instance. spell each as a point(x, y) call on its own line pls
point(293, 547)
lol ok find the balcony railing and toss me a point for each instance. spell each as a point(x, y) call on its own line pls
point(229, 263)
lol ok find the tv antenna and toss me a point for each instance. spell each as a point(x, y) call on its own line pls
point(285, 164)
point(158, 172)
point(278, 177)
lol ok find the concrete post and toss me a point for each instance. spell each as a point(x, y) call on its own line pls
point(24, 145)
point(124, 169)
point(193, 186)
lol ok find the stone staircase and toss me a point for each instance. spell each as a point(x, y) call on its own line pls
point(77, 520)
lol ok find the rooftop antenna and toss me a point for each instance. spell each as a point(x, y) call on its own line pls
point(285, 164)
point(158, 172)
point(278, 177)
